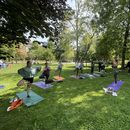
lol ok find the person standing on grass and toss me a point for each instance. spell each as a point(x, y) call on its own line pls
point(103, 66)
point(1, 63)
point(92, 67)
point(59, 68)
point(28, 75)
point(77, 68)
point(99, 65)
point(81, 65)
point(128, 66)
point(115, 70)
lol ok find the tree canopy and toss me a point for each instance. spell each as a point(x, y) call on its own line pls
point(113, 20)
point(35, 17)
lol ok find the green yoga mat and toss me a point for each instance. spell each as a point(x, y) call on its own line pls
point(32, 100)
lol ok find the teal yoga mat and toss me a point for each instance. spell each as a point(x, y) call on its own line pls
point(32, 100)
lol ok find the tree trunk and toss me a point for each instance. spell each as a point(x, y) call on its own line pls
point(124, 46)
point(77, 46)
point(125, 39)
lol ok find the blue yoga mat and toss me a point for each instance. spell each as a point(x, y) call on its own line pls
point(32, 100)
point(1, 86)
point(42, 85)
point(114, 86)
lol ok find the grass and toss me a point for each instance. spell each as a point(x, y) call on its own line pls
point(71, 105)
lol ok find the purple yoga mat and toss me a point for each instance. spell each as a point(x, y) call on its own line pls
point(42, 85)
point(115, 87)
point(1, 86)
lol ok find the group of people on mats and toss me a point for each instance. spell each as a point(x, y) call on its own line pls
point(79, 67)
point(28, 72)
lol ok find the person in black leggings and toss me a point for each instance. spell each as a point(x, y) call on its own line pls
point(46, 73)
point(115, 70)
point(128, 66)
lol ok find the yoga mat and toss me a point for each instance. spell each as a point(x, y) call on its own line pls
point(115, 87)
point(32, 100)
point(1, 86)
point(77, 77)
point(96, 75)
point(88, 75)
point(42, 85)
point(58, 78)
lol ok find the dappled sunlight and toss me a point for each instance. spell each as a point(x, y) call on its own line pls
point(122, 98)
point(10, 92)
point(87, 96)
point(105, 109)
point(77, 99)
point(81, 98)
point(96, 94)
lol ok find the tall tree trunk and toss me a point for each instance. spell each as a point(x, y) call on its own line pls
point(77, 46)
point(77, 32)
point(126, 38)
point(124, 46)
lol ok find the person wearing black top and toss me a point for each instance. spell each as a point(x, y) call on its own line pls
point(92, 67)
point(99, 65)
point(115, 69)
point(128, 66)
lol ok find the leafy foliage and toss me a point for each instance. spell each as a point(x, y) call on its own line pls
point(113, 20)
point(40, 53)
point(35, 17)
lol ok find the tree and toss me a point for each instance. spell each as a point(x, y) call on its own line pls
point(103, 49)
point(21, 52)
point(35, 17)
point(7, 52)
point(113, 16)
point(87, 46)
point(38, 52)
point(81, 23)
point(64, 50)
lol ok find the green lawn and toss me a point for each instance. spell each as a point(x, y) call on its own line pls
point(71, 105)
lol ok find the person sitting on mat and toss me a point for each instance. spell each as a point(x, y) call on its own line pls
point(28, 75)
point(128, 66)
point(46, 73)
point(59, 68)
point(115, 70)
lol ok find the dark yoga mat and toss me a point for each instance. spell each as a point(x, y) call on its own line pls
point(117, 86)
